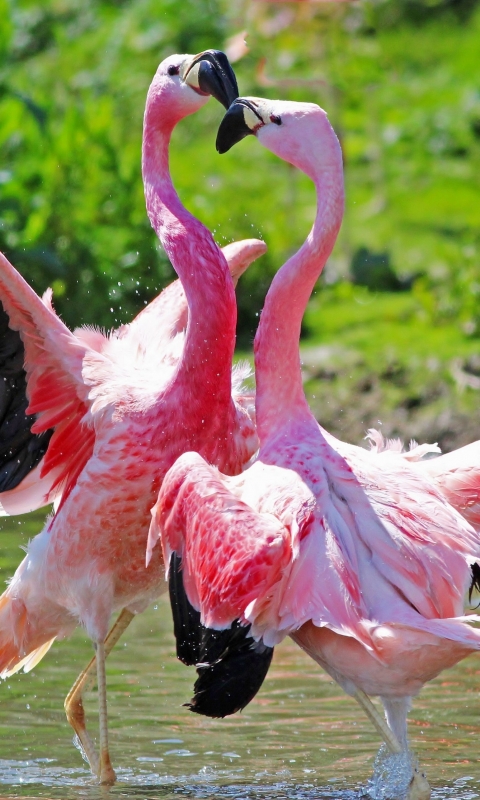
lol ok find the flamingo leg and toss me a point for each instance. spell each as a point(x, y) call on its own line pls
point(378, 721)
point(396, 710)
point(73, 701)
point(106, 772)
point(419, 788)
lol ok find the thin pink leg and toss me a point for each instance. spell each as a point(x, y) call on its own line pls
point(106, 774)
point(73, 701)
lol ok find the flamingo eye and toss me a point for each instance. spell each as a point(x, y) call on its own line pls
point(172, 70)
point(274, 118)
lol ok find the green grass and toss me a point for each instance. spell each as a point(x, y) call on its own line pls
point(378, 325)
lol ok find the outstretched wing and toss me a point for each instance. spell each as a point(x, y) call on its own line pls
point(44, 441)
point(231, 556)
point(49, 379)
point(20, 449)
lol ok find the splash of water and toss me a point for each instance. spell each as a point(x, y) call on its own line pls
point(392, 774)
point(77, 743)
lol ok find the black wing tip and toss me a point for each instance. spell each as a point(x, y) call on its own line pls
point(20, 449)
point(196, 709)
point(231, 665)
point(229, 683)
point(186, 619)
point(475, 581)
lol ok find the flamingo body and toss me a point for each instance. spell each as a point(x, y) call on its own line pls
point(357, 555)
point(313, 538)
point(122, 408)
point(116, 429)
point(409, 659)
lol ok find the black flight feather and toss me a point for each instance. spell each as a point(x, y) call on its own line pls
point(20, 449)
point(230, 682)
point(475, 583)
point(231, 665)
point(186, 620)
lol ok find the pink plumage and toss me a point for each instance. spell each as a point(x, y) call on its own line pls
point(123, 408)
point(357, 555)
point(457, 475)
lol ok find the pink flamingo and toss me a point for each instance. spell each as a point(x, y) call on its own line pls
point(122, 409)
point(24, 485)
point(361, 560)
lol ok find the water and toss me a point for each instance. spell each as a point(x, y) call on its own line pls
point(300, 739)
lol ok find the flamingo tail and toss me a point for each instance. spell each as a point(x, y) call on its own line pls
point(20, 646)
point(231, 665)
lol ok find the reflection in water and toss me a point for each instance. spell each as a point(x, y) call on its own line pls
point(301, 738)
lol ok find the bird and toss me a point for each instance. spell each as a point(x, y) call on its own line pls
point(356, 555)
point(115, 412)
point(22, 487)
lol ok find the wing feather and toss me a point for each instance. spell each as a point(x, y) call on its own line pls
point(413, 537)
point(457, 475)
point(53, 386)
point(231, 554)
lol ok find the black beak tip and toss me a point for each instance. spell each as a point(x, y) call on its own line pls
point(232, 128)
point(222, 147)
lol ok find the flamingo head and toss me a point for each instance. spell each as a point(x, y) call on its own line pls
point(183, 83)
point(299, 133)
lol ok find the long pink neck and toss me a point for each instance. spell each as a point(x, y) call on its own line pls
point(210, 338)
point(280, 396)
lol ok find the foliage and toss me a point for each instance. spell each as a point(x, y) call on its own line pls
point(399, 79)
point(72, 206)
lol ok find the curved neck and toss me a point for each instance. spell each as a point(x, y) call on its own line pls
point(198, 262)
point(280, 395)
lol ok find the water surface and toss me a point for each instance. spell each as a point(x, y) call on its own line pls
point(300, 739)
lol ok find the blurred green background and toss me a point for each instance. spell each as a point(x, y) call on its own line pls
point(392, 335)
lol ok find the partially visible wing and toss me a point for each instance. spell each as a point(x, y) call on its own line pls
point(231, 554)
point(164, 317)
point(239, 255)
point(230, 557)
point(141, 357)
point(48, 361)
point(31, 493)
point(20, 449)
point(457, 475)
point(414, 538)
point(231, 666)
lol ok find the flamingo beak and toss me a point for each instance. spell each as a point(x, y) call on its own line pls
point(241, 119)
point(210, 73)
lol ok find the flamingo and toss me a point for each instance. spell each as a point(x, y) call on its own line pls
point(122, 409)
point(356, 555)
point(23, 486)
